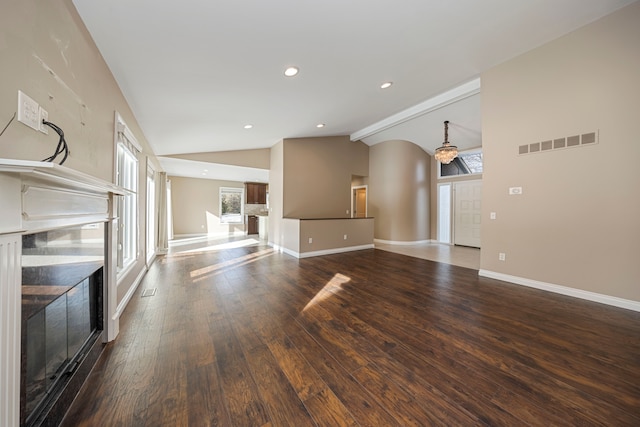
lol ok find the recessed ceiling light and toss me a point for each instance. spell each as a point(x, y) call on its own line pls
point(320, 125)
point(205, 170)
point(386, 85)
point(248, 126)
point(291, 71)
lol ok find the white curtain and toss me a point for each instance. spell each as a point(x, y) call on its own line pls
point(163, 231)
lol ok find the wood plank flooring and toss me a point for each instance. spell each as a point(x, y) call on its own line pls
point(251, 337)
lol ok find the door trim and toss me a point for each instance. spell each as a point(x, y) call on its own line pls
point(366, 200)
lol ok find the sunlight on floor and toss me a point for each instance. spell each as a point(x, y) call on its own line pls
point(232, 263)
point(222, 246)
point(332, 287)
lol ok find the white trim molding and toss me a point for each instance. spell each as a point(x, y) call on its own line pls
point(10, 328)
point(282, 249)
point(564, 290)
point(127, 297)
point(320, 253)
point(442, 100)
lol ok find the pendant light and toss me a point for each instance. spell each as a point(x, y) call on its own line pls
point(447, 152)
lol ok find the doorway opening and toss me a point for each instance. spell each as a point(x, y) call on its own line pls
point(359, 201)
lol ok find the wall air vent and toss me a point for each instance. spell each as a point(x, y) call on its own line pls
point(573, 141)
point(559, 143)
point(589, 138)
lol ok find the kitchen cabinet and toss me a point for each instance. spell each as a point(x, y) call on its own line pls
point(256, 193)
point(252, 224)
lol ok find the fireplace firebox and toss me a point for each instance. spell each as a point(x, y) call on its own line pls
point(62, 312)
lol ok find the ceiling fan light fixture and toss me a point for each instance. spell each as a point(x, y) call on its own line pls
point(447, 152)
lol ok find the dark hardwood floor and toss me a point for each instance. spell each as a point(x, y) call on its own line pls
point(251, 337)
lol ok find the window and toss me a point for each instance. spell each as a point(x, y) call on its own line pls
point(231, 206)
point(467, 163)
point(151, 212)
point(126, 206)
point(444, 213)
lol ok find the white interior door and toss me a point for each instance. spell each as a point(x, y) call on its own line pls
point(467, 213)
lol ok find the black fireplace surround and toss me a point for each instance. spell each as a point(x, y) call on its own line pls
point(62, 318)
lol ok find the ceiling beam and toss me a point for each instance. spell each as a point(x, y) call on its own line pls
point(449, 97)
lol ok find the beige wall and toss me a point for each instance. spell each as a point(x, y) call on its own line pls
point(399, 187)
point(276, 186)
point(46, 52)
point(576, 223)
point(326, 235)
point(290, 236)
point(196, 206)
point(329, 234)
point(259, 158)
point(317, 176)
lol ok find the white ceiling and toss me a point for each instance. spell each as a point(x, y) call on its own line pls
point(196, 71)
point(218, 171)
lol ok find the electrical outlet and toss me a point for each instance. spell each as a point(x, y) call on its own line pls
point(502, 256)
point(515, 191)
point(492, 215)
point(310, 239)
point(43, 115)
point(345, 237)
point(28, 111)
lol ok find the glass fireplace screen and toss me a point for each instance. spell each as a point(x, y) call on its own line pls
point(62, 274)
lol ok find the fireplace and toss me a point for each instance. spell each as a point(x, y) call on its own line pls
point(58, 293)
point(62, 296)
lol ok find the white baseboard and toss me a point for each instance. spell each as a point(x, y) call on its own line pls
point(334, 251)
point(564, 290)
point(320, 253)
point(282, 249)
point(129, 294)
point(403, 243)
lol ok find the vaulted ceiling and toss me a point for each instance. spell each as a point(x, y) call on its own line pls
point(196, 72)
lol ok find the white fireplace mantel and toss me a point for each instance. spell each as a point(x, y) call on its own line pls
point(34, 197)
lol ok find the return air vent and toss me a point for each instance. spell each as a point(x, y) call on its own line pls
point(559, 143)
